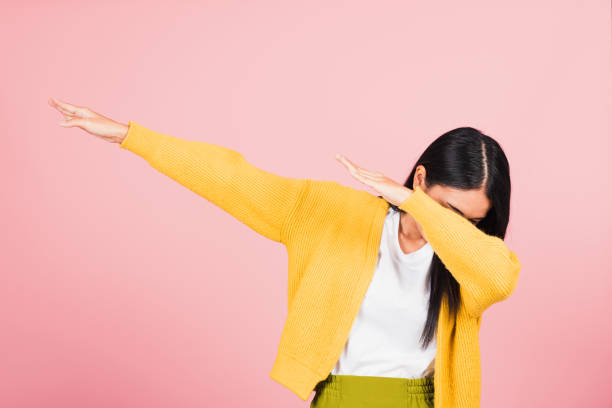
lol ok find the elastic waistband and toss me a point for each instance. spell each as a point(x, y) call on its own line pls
point(364, 385)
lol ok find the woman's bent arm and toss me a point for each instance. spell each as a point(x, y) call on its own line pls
point(485, 268)
point(261, 200)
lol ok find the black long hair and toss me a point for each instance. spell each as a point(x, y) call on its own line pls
point(462, 158)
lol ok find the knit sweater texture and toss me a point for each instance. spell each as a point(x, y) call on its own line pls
point(332, 233)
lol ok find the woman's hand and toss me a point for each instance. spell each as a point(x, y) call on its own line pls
point(391, 191)
point(90, 121)
point(429, 371)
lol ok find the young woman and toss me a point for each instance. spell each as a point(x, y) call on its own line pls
point(385, 293)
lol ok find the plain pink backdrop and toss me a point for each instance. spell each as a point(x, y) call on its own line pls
point(122, 288)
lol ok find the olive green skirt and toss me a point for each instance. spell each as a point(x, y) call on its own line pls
point(358, 391)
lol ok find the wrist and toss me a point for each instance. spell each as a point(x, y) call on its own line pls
point(120, 132)
point(404, 194)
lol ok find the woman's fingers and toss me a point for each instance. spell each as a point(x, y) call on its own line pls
point(64, 106)
point(346, 162)
point(364, 179)
point(368, 178)
point(66, 114)
point(72, 122)
point(392, 191)
point(68, 109)
point(352, 166)
point(60, 109)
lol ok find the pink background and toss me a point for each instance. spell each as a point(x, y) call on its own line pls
point(122, 288)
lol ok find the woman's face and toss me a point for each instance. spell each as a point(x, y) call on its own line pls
point(471, 204)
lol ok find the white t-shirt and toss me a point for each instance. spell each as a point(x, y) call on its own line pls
point(384, 338)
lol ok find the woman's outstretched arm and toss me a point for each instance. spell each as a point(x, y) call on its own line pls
point(261, 200)
point(258, 198)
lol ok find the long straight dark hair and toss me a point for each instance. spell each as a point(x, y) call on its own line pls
point(462, 158)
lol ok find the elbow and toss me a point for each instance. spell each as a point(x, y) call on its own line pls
point(497, 290)
point(505, 287)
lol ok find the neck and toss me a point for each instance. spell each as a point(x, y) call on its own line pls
point(409, 229)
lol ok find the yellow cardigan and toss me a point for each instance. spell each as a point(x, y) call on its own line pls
point(332, 233)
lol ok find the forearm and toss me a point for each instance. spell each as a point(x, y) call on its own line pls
point(485, 268)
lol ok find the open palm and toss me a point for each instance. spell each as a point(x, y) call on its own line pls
point(392, 191)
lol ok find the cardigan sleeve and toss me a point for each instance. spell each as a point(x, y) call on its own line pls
point(259, 199)
point(485, 268)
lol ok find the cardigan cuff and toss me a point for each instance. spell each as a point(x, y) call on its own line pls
point(141, 141)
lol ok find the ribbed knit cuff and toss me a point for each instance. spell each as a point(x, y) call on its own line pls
point(419, 204)
point(140, 140)
point(295, 376)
